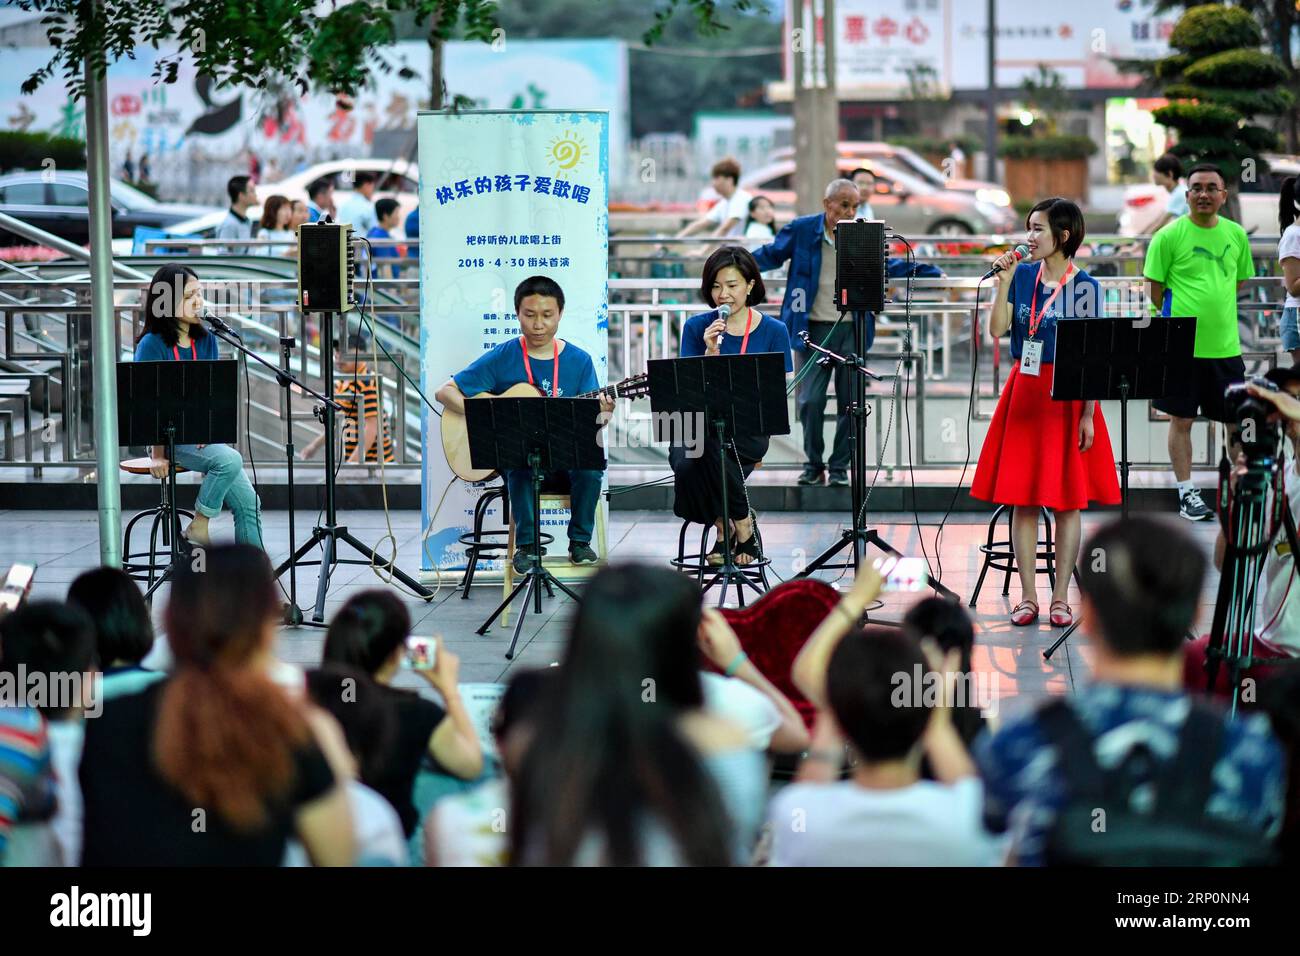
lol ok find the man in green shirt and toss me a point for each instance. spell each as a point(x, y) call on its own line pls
point(1202, 261)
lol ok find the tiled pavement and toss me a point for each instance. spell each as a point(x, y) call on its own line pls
point(65, 543)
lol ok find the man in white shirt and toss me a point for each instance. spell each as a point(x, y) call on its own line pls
point(865, 180)
point(727, 216)
point(1167, 172)
point(237, 225)
point(358, 207)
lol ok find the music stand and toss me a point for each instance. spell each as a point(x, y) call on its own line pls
point(1121, 358)
point(540, 434)
point(734, 395)
point(171, 403)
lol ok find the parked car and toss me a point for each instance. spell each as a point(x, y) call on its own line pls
point(910, 161)
point(397, 178)
point(59, 203)
point(1144, 203)
point(911, 206)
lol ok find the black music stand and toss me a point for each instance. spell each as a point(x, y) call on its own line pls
point(1120, 358)
point(171, 403)
point(540, 434)
point(735, 395)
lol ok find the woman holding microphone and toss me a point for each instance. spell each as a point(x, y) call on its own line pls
point(1041, 453)
point(730, 282)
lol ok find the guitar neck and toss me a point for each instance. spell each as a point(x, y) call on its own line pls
point(608, 390)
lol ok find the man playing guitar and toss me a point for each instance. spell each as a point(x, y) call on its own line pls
point(558, 369)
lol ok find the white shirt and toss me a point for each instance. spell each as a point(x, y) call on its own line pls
point(737, 208)
point(469, 829)
point(276, 234)
point(1278, 614)
point(745, 706)
point(359, 211)
point(67, 738)
point(845, 824)
point(1176, 201)
point(376, 832)
point(1289, 248)
point(759, 230)
point(864, 211)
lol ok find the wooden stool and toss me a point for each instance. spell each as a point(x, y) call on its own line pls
point(1000, 555)
point(554, 501)
point(150, 568)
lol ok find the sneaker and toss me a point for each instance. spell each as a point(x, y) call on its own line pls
point(1192, 507)
point(523, 559)
point(811, 476)
point(581, 553)
point(839, 479)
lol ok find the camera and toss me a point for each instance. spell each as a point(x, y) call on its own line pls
point(1259, 437)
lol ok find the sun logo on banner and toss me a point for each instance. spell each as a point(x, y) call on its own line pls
point(566, 152)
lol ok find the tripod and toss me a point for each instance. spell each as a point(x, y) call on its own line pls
point(536, 577)
point(330, 533)
point(730, 573)
point(859, 536)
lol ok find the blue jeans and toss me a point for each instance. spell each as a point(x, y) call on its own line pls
point(1290, 330)
point(224, 482)
point(584, 495)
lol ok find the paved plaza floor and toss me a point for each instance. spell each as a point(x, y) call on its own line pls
point(1008, 658)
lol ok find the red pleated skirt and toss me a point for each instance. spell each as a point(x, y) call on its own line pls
point(1031, 454)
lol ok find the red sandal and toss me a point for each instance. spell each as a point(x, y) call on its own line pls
point(1061, 618)
point(1024, 613)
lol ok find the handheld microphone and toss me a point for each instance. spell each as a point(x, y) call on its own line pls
point(1020, 252)
point(724, 311)
point(220, 325)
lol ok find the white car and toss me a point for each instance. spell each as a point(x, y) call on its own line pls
point(1144, 203)
point(398, 178)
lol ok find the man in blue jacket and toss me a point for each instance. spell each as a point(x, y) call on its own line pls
point(808, 244)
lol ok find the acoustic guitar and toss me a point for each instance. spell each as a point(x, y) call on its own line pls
point(455, 436)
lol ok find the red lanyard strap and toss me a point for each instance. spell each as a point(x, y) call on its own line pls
point(1036, 319)
point(555, 364)
point(176, 353)
point(749, 322)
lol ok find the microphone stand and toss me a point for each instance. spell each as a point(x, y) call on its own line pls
point(292, 615)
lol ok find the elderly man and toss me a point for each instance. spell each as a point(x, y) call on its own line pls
point(808, 244)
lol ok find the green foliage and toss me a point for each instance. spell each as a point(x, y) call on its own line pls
point(1268, 102)
point(1197, 119)
point(1047, 147)
point(30, 150)
point(1212, 27)
point(1171, 67)
point(1238, 68)
point(1257, 139)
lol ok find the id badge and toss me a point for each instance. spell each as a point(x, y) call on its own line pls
point(1031, 357)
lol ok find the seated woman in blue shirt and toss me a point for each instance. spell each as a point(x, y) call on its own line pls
point(174, 333)
point(730, 278)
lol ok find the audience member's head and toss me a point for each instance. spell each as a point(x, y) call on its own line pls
point(226, 734)
point(365, 182)
point(1141, 583)
point(369, 632)
point(368, 718)
point(54, 640)
point(387, 213)
point(945, 622)
point(514, 723)
point(608, 759)
point(123, 628)
point(861, 687)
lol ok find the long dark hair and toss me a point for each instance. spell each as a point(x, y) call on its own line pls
point(1287, 210)
point(225, 734)
point(162, 303)
point(607, 757)
point(123, 628)
point(366, 630)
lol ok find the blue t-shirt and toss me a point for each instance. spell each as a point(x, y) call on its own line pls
point(151, 348)
point(1080, 299)
point(503, 366)
point(767, 335)
point(1024, 790)
point(384, 252)
point(412, 226)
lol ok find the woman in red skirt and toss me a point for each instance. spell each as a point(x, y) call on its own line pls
point(1039, 452)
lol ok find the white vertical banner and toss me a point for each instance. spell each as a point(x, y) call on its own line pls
point(504, 194)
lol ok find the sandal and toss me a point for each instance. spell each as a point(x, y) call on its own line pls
point(1061, 618)
point(750, 548)
point(1024, 613)
point(715, 556)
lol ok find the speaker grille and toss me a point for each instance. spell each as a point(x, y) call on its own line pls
point(860, 265)
point(325, 267)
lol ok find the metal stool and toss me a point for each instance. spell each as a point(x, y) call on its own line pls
point(155, 562)
point(697, 564)
point(1000, 556)
point(480, 545)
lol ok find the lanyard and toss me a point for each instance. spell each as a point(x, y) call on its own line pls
point(1036, 320)
point(176, 353)
point(749, 324)
point(555, 365)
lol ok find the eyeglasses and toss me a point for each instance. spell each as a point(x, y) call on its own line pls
point(1205, 190)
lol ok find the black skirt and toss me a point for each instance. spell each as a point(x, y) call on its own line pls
point(697, 482)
